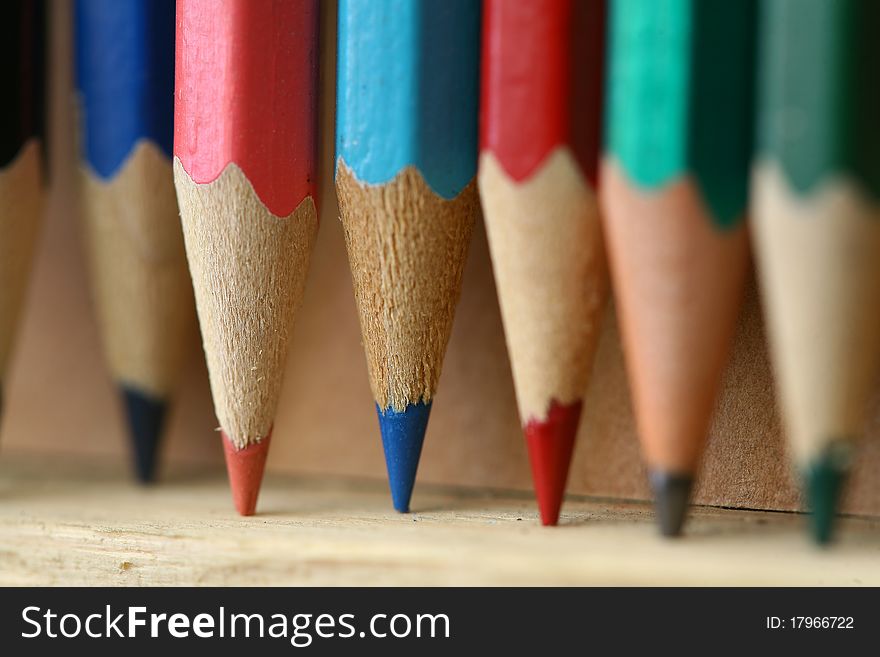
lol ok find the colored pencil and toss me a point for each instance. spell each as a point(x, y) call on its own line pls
point(245, 148)
point(143, 297)
point(406, 158)
point(22, 38)
point(539, 153)
point(817, 229)
point(674, 190)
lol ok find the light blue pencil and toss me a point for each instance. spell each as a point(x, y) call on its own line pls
point(406, 159)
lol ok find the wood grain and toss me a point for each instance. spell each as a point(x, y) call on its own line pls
point(820, 256)
point(143, 295)
point(678, 282)
point(72, 526)
point(249, 270)
point(550, 270)
point(407, 247)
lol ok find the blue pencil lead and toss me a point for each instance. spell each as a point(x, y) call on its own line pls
point(402, 437)
point(146, 418)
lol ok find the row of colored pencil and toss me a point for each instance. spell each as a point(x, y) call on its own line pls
point(656, 100)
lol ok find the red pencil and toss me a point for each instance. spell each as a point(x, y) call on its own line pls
point(540, 126)
point(244, 167)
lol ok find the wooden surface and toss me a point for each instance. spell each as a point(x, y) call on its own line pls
point(59, 398)
point(65, 524)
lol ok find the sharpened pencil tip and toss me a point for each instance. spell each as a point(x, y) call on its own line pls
point(550, 443)
point(672, 492)
point(825, 480)
point(402, 437)
point(245, 469)
point(146, 420)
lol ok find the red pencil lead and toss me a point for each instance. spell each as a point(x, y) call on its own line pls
point(551, 443)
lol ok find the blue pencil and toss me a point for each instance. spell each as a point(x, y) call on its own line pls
point(406, 159)
point(142, 293)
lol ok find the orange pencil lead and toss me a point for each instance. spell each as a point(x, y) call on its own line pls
point(245, 468)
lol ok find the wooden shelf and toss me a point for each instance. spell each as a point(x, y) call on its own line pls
point(74, 525)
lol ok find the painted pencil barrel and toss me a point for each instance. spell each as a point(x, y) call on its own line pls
point(680, 96)
point(407, 90)
point(125, 79)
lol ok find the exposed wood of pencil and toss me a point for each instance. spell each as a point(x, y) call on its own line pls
point(678, 286)
point(60, 525)
point(20, 209)
point(139, 273)
point(549, 267)
point(249, 270)
point(407, 248)
point(821, 271)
